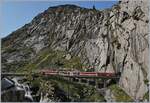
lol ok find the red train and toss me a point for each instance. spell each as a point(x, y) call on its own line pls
point(49, 72)
point(97, 74)
point(77, 73)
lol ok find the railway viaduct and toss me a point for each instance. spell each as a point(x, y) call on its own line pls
point(99, 82)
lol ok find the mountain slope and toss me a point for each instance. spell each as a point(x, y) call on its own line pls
point(114, 39)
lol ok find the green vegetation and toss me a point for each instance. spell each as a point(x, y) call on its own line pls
point(78, 92)
point(75, 92)
point(44, 86)
point(146, 96)
point(119, 94)
point(146, 81)
point(52, 59)
point(73, 63)
point(15, 65)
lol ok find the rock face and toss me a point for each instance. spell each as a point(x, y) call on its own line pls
point(136, 47)
point(111, 40)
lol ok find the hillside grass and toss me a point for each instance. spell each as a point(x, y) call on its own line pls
point(119, 94)
point(52, 59)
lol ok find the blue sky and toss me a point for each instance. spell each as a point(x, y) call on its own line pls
point(14, 14)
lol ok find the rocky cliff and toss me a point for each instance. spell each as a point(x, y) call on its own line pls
point(114, 39)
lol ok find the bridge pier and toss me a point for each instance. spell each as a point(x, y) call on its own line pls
point(80, 80)
point(100, 85)
point(96, 83)
point(71, 79)
point(91, 82)
point(75, 79)
point(104, 83)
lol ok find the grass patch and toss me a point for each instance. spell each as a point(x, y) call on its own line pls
point(146, 96)
point(119, 94)
point(52, 59)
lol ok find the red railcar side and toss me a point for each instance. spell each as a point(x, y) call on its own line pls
point(105, 74)
point(87, 74)
point(73, 73)
point(52, 72)
point(49, 72)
